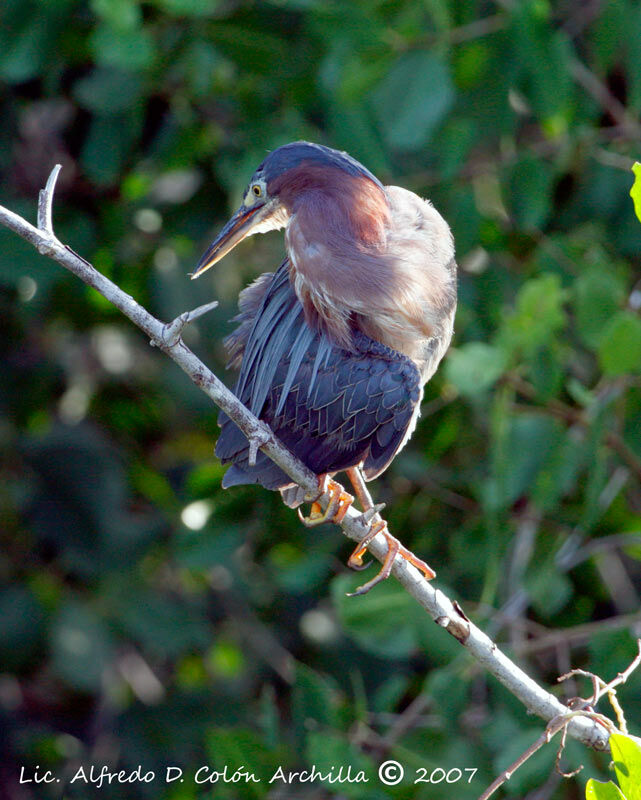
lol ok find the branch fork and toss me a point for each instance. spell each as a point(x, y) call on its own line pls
point(172, 331)
point(259, 437)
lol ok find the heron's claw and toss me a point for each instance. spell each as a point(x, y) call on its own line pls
point(339, 502)
point(394, 548)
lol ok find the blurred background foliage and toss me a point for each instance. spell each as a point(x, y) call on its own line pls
point(147, 617)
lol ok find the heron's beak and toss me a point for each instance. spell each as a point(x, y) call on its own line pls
point(241, 225)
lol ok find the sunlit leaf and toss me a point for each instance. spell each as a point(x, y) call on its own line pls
point(635, 191)
point(596, 790)
point(626, 755)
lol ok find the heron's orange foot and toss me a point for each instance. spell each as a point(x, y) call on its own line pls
point(394, 548)
point(339, 502)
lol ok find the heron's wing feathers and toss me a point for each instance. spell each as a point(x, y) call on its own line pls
point(333, 408)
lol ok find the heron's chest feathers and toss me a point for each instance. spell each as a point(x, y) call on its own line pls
point(388, 271)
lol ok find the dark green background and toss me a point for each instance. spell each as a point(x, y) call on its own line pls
point(127, 637)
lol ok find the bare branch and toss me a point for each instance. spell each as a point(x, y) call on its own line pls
point(447, 614)
point(581, 707)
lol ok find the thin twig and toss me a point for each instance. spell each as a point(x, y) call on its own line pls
point(578, 633)
point(441, 609)
point(573, 416)
point(45, 202)
point(604, 97)
point(172, 331)
point(601, 687)
point(552, 728)
point(259, 438)
point(562, 722)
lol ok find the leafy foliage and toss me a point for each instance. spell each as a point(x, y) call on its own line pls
point(626, 756)
point(148, 614)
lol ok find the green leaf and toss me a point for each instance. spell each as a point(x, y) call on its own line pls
point(530, 187)
point(25, 55)
point(412, 99)
point(328, 750)
point(534, 771)
point(561, 470)
point(124, 49)
point(379, 621)
point(81, 647)
point(475, 367)
point(626, 754)
point(106, 147)
point(596, 790)
point(164, 626)
point(21, 626)
point(188, 8)
point(537, 317)
point(598, 295)
point(620, 348)
point(240, 749)
point(528, 449)
point(121, 14)
point(108, 91)
point(549, 589)
point(635, 191)
point(314, 700)
point(543, 53)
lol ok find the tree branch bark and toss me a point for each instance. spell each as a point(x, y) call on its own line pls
point(443, 611)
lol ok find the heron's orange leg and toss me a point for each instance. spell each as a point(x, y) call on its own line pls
point(394, 548)
point(360, 490)
point(339, 502)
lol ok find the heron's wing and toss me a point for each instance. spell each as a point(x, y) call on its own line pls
point(359, 409)
point(333, 408)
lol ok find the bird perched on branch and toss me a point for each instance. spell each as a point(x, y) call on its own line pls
point(334, 347)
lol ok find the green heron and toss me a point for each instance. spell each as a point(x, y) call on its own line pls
point(334, 347)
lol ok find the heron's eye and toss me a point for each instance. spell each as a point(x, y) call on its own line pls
point(257, 190)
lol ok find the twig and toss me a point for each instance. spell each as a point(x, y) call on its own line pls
point(45, 202)
point(172, 331)
point(441, 609)
point(604, 97)
point(259, 438)
point(404, 723)
point(553, 727)
point(573, 416)
point(601, 688)
point(562, 722)
point(578, 633)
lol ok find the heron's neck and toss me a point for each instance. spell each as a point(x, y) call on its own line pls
point(398, 288)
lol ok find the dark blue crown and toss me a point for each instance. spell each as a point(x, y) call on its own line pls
point(291, 155)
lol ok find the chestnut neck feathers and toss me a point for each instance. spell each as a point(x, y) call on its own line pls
point(381, 260)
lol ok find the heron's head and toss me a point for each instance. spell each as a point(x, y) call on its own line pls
point(288, 177)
